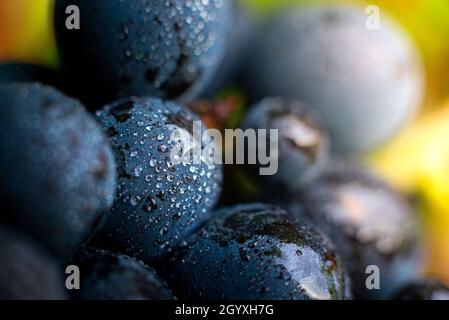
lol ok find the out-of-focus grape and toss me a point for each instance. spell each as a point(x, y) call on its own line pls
point(418, 162)
point(427, 21)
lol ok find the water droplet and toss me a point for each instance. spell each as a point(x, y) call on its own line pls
point(163, 148)
point(150, 204)
point(134, 201)
point(153, 163)
point(138, 170)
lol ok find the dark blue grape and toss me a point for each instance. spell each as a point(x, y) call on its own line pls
point(57, 167)
point(255, 252)
point(303, 147)
point(107, 276)
point(168, 49)
point(27, 272)
point(370, 224)
point(158, 202)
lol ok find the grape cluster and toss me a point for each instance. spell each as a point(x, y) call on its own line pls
point(95, 183)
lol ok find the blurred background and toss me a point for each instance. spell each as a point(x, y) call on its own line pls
point(416, 161)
